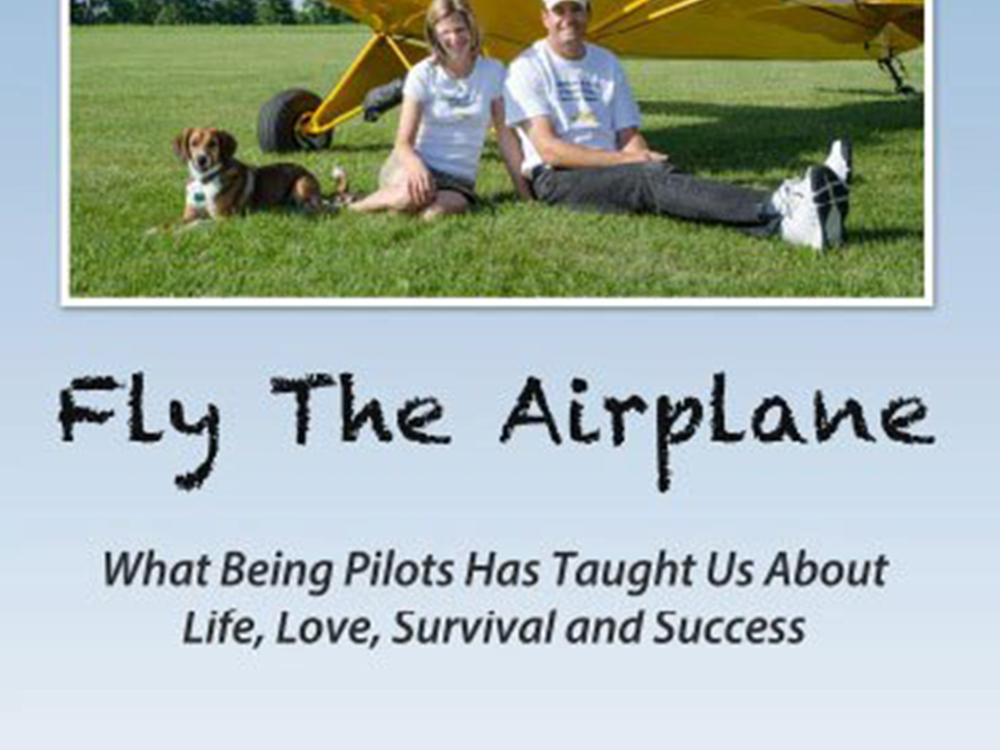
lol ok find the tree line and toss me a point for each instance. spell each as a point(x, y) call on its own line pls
point(170, 12)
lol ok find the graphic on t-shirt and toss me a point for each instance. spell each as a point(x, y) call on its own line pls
point(452, 108)
point(580, 90)
point(580, 93)
point(461, 98)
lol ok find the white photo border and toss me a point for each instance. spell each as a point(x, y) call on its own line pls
point(928, 299)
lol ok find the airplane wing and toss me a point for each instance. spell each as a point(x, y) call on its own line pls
point(727, 29)
point(761, 29)
point(741, 29)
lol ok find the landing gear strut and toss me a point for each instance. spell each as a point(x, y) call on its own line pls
point(895, 68)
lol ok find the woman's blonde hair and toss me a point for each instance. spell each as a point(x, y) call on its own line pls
point(440, 10)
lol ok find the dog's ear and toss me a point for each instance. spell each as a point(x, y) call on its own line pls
point(227, 145)
point(181, 145)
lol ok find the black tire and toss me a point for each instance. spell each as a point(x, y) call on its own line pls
point(277, 124)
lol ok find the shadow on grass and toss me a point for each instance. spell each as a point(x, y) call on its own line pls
point(886, 93)
point(760, 138)
point(490, 204)
point(360, 148)
point(886, 235)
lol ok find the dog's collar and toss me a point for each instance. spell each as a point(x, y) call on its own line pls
point(205, 178)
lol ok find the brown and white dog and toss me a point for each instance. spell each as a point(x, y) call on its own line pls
point(221, 186)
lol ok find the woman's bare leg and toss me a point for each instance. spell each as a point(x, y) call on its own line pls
point(393, 198)
point(446, 202)
point(392, 194)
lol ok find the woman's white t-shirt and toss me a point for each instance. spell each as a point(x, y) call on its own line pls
point(455, 114)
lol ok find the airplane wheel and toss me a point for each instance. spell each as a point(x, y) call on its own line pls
point(280, 118)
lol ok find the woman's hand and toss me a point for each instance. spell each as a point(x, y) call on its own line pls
point(419, 183)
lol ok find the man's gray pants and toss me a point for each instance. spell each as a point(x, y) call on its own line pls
point(657, 188)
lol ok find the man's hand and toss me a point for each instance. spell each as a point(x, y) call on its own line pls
point(632, 144)
point(642, 155)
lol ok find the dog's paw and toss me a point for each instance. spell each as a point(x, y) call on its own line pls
point(192, 225)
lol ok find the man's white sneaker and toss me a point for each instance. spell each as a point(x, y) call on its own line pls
point(812, 209)
point(841, 159)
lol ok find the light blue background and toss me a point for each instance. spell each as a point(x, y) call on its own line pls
point(912, 666)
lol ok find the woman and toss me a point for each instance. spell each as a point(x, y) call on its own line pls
point(449, 100)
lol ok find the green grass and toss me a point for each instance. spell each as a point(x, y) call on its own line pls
point(134, 89)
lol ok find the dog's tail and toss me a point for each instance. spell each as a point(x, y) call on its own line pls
point(341, 195)
point(340, 179)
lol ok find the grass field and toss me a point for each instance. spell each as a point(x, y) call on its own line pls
point(134, 89)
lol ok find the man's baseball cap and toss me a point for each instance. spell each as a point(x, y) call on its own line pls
point(550, 4)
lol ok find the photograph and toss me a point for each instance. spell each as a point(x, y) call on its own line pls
point(497, 152)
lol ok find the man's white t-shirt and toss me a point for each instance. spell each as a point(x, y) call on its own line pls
point(455, 114)
point(587, 100)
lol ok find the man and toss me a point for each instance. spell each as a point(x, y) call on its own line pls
point(579, 128)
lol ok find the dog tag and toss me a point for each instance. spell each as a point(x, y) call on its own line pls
point(195, 194)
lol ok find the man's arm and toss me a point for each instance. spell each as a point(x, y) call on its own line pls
point(556, 152)
point(630, 139)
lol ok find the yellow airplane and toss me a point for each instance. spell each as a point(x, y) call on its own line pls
point(722, 29)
